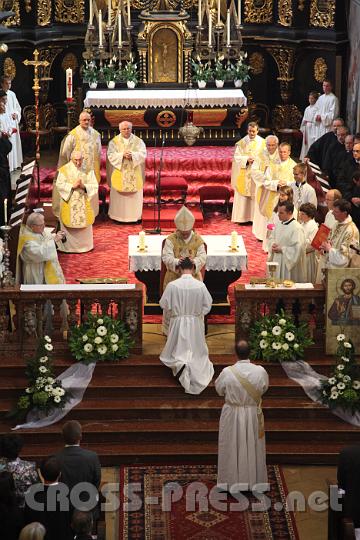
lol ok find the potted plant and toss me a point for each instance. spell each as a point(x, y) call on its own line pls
point(201, 72)
point(110, 74)
point(240, 72)
point(90, 74)
point(130, 74)
point(219, 73)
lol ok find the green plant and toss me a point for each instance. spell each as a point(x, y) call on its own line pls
point(277, 339)
point(219, 72)
point(342, 388)
point(130, 72)
point(90, 72)
point(110, 73)
point(240, 71)
point(100, 338)
point(201, 72)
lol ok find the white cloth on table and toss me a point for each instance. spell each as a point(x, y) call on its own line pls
point(310, 230)
point(327, 106)
point(309, 129)
point(289, 235)
point(242, 454)
point(13, 107)
point(188, 300)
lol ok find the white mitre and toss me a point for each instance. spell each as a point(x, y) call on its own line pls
point(184, 219)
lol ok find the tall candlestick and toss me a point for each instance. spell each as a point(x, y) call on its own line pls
point(69, 84)
point(128, 13)
point(218, 11)
point(210, 29)
point(119, 29)
point(91, 13)
point(239, 12)
point(109, 12)
point(100, 29)
point(228, 28)
point(199, 14)
point(5, 212)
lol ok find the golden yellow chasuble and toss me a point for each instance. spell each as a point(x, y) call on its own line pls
point(244, 184)
point(183, 249)
point(129, 179)
point(89, 150)
point(77, 212)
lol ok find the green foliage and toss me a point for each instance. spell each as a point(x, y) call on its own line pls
point(277, 339)
point(201, 72)
point(342, 388)
point(90, 72)
point(240, 71)
point(220, 73)
point(100, 339)
point(110, 73)
point(129, 72)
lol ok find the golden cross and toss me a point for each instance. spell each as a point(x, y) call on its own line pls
point(36, 63)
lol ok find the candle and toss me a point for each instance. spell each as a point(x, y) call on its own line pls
point(234, 240)
point(119, 29)
point(128, 12)
point(69, 85)
point(228, 28)
point(142, 240)
point(218, 12)
point(91, 13)
point(210, 29)
point(5, 212)
point(100, 29)
point(239, 12)
point(199, 14)
point(109, 12)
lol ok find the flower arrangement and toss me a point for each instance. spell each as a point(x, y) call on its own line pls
point(342, 388)
point(43, 392)
point(130, 72)
point(109, 72)
point(90, 72)
point(277, 339)
point(240, 70)
point(201, 72)
point(100, 338)
point(220, 73)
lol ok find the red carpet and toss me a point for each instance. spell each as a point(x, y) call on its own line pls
point(110, 255)
point(151, 515)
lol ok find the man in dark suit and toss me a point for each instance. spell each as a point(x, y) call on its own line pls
point(318, 149)
point(334, 155)
point(5, 149)
point(349, 167)
point(79, 465)
point(348, 475)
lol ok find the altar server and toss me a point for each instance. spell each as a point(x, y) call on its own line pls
point(246, 160)
point(242, 453)
point(79, 205)
point(327, 109)
point(126, 175)
point(303, 192)
point(187, 300)
point(287, 246)
point(308, 125)
point(307, 213)
point(14, 110)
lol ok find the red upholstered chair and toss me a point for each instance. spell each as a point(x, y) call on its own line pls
point(171, 185)
point(216, 195)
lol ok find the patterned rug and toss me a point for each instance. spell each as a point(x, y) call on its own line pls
point(151, 516)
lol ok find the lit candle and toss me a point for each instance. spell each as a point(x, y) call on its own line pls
point(239, 12)
point(5, 211)
point(119, 29)
point(91, 13)
point(100, 29)
point(128, 13)
point(228, 28)
point(109, 12)
point(142, 240)
point(234, 240)
point(199, 14)
point(218, 12)
point(69, 84)
point(210, 29)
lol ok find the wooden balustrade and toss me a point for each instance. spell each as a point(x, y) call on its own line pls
point(307, 305)
point(25, 316)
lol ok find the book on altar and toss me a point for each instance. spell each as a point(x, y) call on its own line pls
point(321, 236)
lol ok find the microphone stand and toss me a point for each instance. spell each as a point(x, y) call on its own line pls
point(157, 228)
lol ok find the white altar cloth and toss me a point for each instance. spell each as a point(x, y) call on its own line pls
point(219, 256)
point(215, 97)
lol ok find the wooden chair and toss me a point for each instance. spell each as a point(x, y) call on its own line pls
point(260, 113)
point(59, 129)
point(286, 120)
point(46, 122)
point(219, 195)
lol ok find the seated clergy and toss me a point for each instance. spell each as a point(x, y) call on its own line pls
point(187, 300)
point(287, 245)
point(79, 204)
point(126, 173)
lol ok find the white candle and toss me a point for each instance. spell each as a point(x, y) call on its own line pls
point(109, 12)
point(228, 28)
point(128, 12)
point(5, 212)
point(234, 240)
point(218, 11)
point(91, 13)
point(142, 240)
point(100, 29)
point(199, 14)
point(210, 29)
point(69, 84)
point(239, 12)
point(119, 29)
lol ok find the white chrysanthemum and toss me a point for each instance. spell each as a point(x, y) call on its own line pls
point(263, 344)
point(48, 339)
point(276, 330)
point(289, 336)
point(57, 399)
point(340, 337)
point(114, 347)
point(114, 338)
point(332, 380)
point(85, 337)
point(61, 391)
point(98, 340)
point(43, 359)
point(356, 385)
point(101, 331)
point(340, 367)
point(282, 322)
point(102, 349)
point(296, 345)
point(50, 380)
point(285, 347)
point(42, 369)
point(88, 347)
point(263, 333)
point(347, 345)
point(48, 347)
point(100, 321)
point(334, 395)
point(341, 386)
point(346, 378)
point(48, 388)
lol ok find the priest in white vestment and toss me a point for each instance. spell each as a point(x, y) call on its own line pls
point(327, 109)
point(307, 212)
point(187, 300)
point(14, 110)
point(79, 204)
point(308, 125)
point(126, 175)
point(302, 191)
point(242, 453)
point(246, 159)
point(287, 246)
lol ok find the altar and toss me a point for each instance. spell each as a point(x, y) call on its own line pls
point(223, 267)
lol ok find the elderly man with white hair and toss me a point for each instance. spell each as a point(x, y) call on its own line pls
point(79, 204)
point(126, 173)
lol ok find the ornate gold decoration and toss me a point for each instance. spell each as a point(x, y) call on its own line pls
point(258, 11)
point(257, 63)
point(70, 11)
point(284, 58)
point(322, 13)
point(190, 133)
point(320, 69)
point(286, 116)
point(166, 119)
point(44, 12)
point(114, 117)
point(9, 68)
point(28, 6)
point(69, 61)
point(11, 5)
point(164, 55)
point(285, 12)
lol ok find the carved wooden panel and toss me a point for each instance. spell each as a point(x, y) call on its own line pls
point(322, 13)
point(70, 11)
point(258, 11)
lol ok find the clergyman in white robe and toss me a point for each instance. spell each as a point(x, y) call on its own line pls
point(327, 109)
point(308, 125)
point(14, 110)
point(242, 453)
point(188, 300)
point(310, 229)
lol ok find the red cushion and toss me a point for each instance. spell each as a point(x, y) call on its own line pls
point(173, 183)
point(208, 193)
